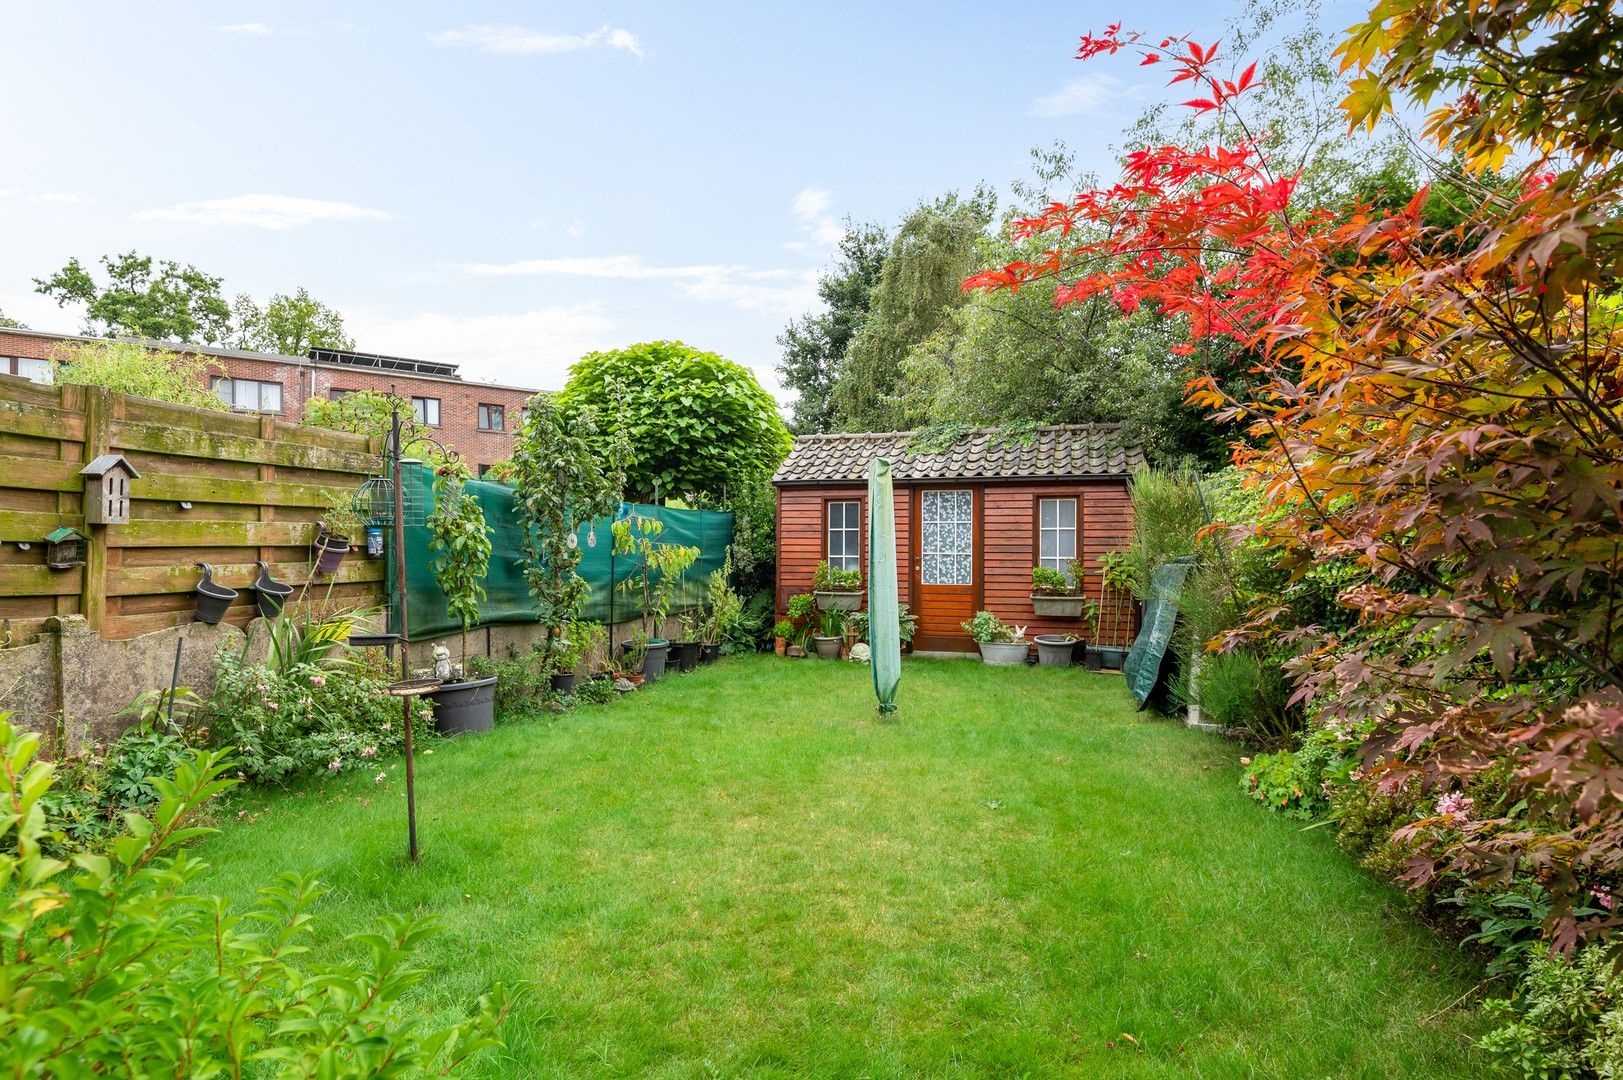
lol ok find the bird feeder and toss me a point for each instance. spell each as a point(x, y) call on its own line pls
point(65, 549)
point(107, 490)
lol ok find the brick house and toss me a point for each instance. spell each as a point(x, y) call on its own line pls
point(478, 419)
point(971, 522)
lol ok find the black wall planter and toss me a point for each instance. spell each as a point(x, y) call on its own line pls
point(330, 551)
point(212, 598)
point(270, 594)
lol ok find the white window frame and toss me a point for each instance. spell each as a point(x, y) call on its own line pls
point(229, 390)
point(926, 552)
point(850, 532)
point(1059, 561)
point(43, 371)
point(420, 407)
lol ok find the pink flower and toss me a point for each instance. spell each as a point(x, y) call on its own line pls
point(335, 764)
point(369, 751)
point(318, 680)
point(380, 778)
point(263, 688)
point(1603, 897)
point(1455, 804)
point(272, 706)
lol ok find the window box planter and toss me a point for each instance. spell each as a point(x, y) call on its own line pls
point(1054, 650)
point(686, 655)
point(1004, 653)
point(827, 648)
point(1054, 606)
point(839, 599)
point(464, 708)
point(212, 598)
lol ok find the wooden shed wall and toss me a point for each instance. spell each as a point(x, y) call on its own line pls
point(1008, 543)
point(256, 487)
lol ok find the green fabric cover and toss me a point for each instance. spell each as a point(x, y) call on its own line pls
point(884, 611)
point(507, 596)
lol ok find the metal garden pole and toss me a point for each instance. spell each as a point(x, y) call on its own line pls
point(400, 608)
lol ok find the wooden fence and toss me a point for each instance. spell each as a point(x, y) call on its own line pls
point(254, 486)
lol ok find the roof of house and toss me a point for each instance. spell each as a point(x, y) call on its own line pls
point(1059, 451)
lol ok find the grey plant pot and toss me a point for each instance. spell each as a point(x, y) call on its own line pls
point(1004, 653)
point(828, 648)
point(465, 707)
point(831, 600)
point(1054, 650)
point(1058, 607)
point(1112, 657)
point(653, 664)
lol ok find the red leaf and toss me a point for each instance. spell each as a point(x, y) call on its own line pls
point(1247, 75)
point(1202, 104)
point(1150, 58)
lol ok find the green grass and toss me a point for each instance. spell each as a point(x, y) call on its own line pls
point(741, 872)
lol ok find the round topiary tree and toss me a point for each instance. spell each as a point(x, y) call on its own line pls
point(697, 424)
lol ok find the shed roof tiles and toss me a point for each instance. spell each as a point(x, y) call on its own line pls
point(1059, 451)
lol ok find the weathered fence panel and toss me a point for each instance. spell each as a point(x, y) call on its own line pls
point(255, 486)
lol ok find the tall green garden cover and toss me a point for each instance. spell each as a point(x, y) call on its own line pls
point(884, 614)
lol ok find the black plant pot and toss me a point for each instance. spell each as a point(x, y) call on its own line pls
point(212, 599)
point(1095, 659)
point(710, 652)
point(330, 551)
point(686, 655)
point(563, 682)
point(269, 594)
point(1112, 657)
point(465, 707)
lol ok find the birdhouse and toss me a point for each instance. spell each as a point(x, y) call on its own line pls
point(107, 490)
point(65, 549)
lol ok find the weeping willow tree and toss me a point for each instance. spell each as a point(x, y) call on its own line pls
point(921, 283)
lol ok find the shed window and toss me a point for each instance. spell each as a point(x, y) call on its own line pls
point(845, 535)
point(249, 395)
point(427, 410)
point(1056, 533)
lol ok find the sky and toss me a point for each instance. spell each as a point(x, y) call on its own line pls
point(508, 186)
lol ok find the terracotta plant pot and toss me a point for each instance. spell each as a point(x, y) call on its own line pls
point(780, 645)
point(330, 551)
point(635, 678)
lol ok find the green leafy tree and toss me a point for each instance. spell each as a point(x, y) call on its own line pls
point(369, 412)
point(131, 368)
point(460, 538)
point(814, 346)
point(142, 298)
point(920, 283)
point(288, 325)
point(565, 472)
point(697, 425)
point(10, 324)
point(113, 968)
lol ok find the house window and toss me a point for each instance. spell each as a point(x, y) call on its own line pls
point(249, 395)
point(40, 371)
point(947, 547)
point(427, 410)
point(1056, 534)
point(845, 535)
point(492, 418)
point(336, 394)
point(483, 469)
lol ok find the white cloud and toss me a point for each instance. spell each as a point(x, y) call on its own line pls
point(262, 211)
point(250, 29)
point(62, 197)
point(527, 348)
point(768, 292)
point(1078, 97)
point(813, 212)
point(623, 267)
point(575, 229)
point(521, 41)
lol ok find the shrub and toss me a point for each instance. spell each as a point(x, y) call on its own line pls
point(523, 684)
point(111, 968)
point(595, 691)
point(828, 578)
point(1565, 1021)
point(306, 718)
point(1045, 580)
point(128, 367)
point(987, 628)
point(1247, 695)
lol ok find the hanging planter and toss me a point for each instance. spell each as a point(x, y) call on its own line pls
point(212, 598)
point(269, 594)
point(330, 548)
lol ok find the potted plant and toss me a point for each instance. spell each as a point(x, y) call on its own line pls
point(269, 594)
point(1000, 643)
point(802, 609)
point(686, 651)
point(909, 626)
point(827, 644)
point(1055, 650)
point(723, 607)
point(579, 641)
point(457, 533)
point(658, 568)
point(837, 590)
point(782, 631)
point(1056, 594)
point(335, 532)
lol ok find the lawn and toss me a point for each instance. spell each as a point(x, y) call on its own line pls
point(742, 872)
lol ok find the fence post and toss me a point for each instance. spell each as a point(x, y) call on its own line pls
point(98, 403)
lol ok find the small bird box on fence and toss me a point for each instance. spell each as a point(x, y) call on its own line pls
point(107, 490)
point(65, 549)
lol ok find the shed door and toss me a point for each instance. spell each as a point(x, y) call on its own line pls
point(946, 566)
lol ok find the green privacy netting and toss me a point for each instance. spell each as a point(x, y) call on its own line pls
point(507, 597)
point(884, 626)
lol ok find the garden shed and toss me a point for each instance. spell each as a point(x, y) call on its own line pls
point(972, 520)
